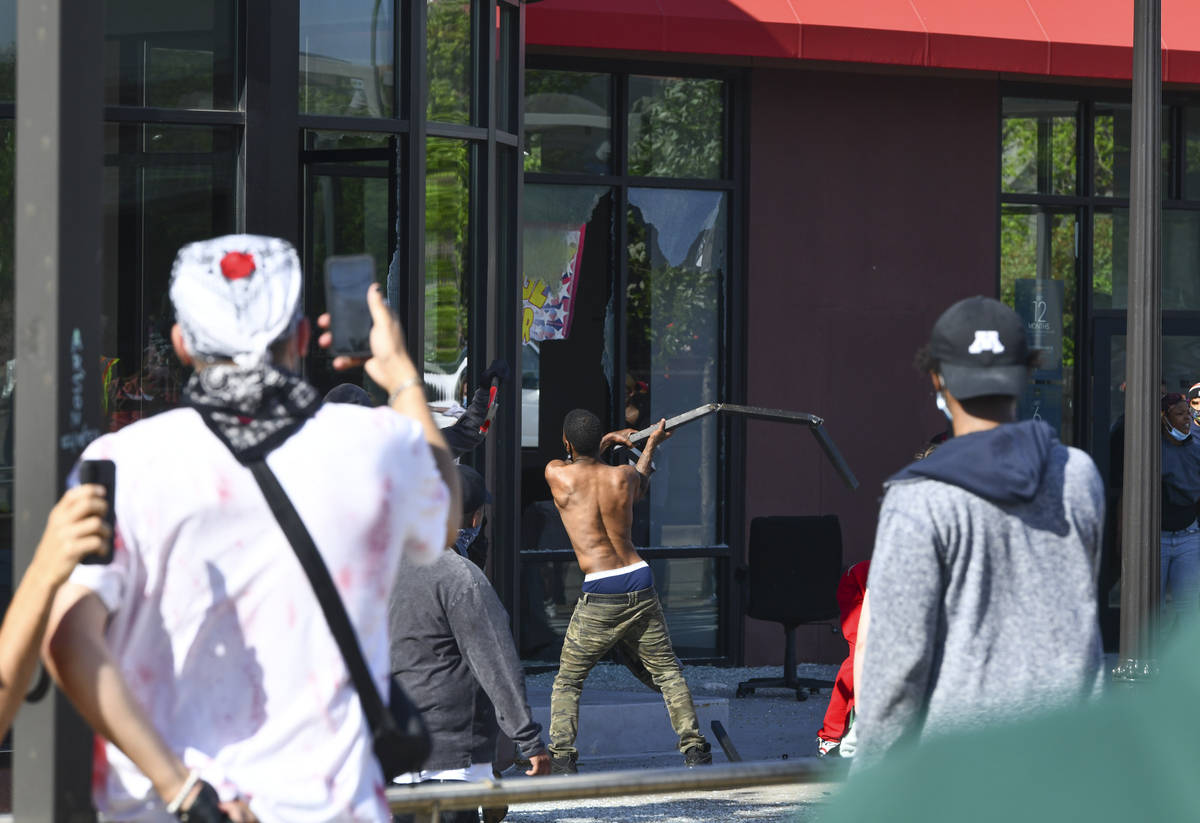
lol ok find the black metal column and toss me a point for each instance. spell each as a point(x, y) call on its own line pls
point(58, 287)
point(271, 144)
point(1141, 515)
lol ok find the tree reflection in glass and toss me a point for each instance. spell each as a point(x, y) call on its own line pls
point(347, 57)
point(677, 265)
point(676, 127)
point(448, 44)
point(447, 294)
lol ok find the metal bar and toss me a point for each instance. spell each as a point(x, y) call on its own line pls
point(610, 784)
point(57, 330)
point(758, 413)
point(569, 179)
point(1141, 516)
point(182, 117)
point(366, 125)
point(726, 742)
point(455, 131)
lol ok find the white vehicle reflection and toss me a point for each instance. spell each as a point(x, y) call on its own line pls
point(448, 393)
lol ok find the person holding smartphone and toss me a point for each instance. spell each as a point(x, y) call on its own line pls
point(75, 529)
point(201, 654)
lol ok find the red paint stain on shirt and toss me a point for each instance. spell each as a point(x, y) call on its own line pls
point(99, 764)
point(379, 533)
point(146, 674)
point(345, 578)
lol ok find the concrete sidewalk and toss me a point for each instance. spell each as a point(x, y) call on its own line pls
point(622, 726)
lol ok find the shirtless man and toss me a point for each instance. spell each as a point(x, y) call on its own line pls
point(618, 606)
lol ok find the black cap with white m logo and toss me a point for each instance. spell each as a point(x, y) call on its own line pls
point(981, 347)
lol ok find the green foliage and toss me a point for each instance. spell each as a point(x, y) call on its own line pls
point(448, 46)
point(669, 307)
point(676, 127)
point(447, 218)
point(1019, 228)
point(1029, 165)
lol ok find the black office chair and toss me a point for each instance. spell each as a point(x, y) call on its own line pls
point(795, 565)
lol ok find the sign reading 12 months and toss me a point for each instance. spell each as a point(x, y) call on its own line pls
point(1039, 302)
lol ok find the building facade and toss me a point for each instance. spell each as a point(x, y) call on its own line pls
point(644, 208)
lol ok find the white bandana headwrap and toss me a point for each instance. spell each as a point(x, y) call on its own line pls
point(236, 295)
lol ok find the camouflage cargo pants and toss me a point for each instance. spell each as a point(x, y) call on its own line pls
point(634, 624)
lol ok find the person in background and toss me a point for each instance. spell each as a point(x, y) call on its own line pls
point(201, 654)
point(1180, 546)
point(853, 604)
point(958, 629)
point(1193, 398)
point(453, 653)
point(851, 590)
point(74, 529)
point(471, 542)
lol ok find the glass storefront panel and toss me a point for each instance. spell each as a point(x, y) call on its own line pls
point(8, 50)
point(171, 55)
point(447, 279)
point(1038, 146)
point(568, 122)
point(676, 127)
point(1180, 259)
point(450, 60)
point(687, 588)
point(566, 316)
point(1191, 153)
point(677, 270)
point(347, 58)
point(153, 204)
point(1111, 147)
point(348, 212)
point(1038, 278)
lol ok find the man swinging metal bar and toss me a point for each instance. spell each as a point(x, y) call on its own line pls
point(815, 425)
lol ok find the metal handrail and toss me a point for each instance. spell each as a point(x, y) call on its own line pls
point(428, 801)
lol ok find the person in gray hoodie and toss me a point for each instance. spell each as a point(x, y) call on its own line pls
point(982, 592)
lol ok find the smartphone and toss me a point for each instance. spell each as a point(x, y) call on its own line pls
point(102, 473)
point(347, 278)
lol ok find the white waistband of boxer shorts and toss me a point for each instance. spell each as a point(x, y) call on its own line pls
point(632, 567)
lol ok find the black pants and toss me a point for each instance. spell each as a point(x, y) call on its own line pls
point(460, 816)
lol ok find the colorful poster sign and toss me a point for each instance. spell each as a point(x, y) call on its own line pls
point(549, 303)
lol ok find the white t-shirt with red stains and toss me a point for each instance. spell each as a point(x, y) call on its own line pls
point(216, 627)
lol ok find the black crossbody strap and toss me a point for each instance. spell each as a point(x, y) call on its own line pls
point(327, 594)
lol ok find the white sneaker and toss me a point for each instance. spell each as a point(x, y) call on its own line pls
point(827, 747)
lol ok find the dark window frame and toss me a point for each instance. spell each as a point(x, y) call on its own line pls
point(729, 549)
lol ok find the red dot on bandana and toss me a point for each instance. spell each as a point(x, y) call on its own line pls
point(237, 265)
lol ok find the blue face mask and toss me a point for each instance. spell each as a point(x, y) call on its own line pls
point(1178, 436)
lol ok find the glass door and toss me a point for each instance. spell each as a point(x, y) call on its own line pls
point(1180, 369)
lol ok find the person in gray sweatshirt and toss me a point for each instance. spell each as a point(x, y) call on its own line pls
point(454, 655)
point(981, 602)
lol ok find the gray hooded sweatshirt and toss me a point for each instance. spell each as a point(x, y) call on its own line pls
point(982, 588)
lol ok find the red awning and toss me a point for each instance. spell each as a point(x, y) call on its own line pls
point(1067, 38)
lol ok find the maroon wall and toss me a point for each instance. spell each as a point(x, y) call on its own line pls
point(872, 208)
